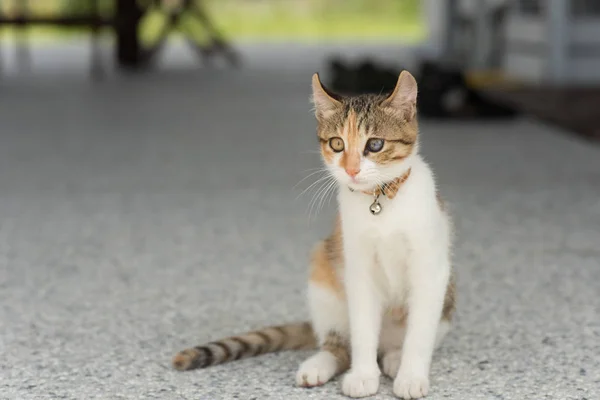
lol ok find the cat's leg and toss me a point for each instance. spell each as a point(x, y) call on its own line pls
point(330, 323)
point(429, 271)
point(329, 316)
point(365, 316)
point(391, 339)
point(390, 361)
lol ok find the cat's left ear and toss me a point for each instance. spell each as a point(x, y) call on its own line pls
point(325, 102)
point(403, 99)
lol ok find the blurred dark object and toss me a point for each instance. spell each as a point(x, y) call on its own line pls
point(444, 93)
point(475, 35)
point(443, 90)
point(365, 77)
point(572, 108)
point(127, 17)
point(125, 20)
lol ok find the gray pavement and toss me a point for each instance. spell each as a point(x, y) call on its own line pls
point(128, 233)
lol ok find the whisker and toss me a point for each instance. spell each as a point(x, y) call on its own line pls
point(315, 168)
point(322, 196)
point(313, 199)
point(311, 152)
point(331, 195)
point(330, 189)
point(308, 176)
point(322, 189)
point(321, 179)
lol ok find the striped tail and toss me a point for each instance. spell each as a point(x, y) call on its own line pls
point(268, 340)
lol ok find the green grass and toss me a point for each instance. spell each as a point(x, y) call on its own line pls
point(324, 19)
point(282, 20)
point(353, 27)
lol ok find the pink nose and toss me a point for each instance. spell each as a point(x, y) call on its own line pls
point(352, 171)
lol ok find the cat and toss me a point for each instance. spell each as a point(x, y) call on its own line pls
point(381, 291)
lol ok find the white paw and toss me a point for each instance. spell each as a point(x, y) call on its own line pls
point(361, 383)
point(316, 370)
point(391, 363)
point(411, 386)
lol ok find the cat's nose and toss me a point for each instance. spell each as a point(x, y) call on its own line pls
point(352, 171)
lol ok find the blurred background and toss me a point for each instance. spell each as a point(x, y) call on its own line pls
point(160, 186)
point(255, 19)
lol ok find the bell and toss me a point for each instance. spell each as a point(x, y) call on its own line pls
point(375, 208)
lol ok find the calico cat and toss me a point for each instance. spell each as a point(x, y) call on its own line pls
point(381, 288)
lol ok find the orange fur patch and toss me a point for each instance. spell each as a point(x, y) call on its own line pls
point(351, 157)
point(327, 262)
point(450, 299)
point(398, 315)
point(440, 201)
point(327, 152)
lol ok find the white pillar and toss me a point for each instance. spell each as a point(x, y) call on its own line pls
point(435, 17)
point(558, 14)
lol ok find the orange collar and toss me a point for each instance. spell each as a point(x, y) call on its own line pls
point(390, 189)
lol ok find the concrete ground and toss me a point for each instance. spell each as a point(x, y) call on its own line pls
point(142, 215)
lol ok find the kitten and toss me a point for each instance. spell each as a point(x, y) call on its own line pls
point(381, 289)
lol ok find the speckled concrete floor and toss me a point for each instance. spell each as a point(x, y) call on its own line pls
point(129, 233)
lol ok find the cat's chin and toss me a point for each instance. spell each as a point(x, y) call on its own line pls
point(361, 187)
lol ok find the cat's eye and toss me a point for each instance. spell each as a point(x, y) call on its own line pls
point(374, 145)
point(336, 144)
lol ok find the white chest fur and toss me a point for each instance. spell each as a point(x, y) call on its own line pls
point(391, 237)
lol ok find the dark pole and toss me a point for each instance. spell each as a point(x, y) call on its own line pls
point(127, 19)
point(449, 42)
point(23, 56)
point(96, 59)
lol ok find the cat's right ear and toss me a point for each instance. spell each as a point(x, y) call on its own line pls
point(324, 102)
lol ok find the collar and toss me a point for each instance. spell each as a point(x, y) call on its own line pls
point(389, 189)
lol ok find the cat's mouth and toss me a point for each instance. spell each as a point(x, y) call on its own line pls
point(362, 182)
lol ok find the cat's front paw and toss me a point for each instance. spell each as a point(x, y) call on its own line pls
point(316, 370)
point(411, 385)
point(361, 383)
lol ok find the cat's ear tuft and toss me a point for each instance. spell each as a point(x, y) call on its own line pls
point(404, 97)
point(324, 102)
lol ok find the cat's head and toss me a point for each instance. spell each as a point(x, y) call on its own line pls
point(367, 140)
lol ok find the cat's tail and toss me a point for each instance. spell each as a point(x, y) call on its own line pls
point(294, 336)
